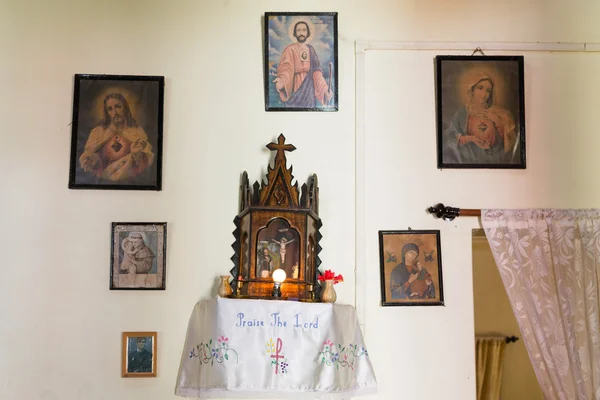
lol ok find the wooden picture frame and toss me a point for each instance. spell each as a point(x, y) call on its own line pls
point(411, 268)
point(480, 112)
point(117, 132)
point(138, 256)
point(288, 52)
point(139, 355)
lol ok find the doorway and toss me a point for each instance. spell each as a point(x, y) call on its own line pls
point(494, 317)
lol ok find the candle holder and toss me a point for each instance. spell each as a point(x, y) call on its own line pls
point(311, 295)
point(239, 283)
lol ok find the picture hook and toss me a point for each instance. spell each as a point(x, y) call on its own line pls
point(478, 50)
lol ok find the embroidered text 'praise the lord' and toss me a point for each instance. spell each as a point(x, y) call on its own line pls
point(276, 320)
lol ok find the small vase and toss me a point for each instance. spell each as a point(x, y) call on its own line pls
point(328, 292)
point(225, 287)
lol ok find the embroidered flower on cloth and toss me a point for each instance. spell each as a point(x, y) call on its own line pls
point(339, 356)
point(330, 275)
point(207, 353)
point(223, 340)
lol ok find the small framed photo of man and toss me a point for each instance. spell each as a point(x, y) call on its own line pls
point(301, 62)
point(139, 355)
point(138, 256)
point(411, 268)
point(117, 132)
point(480, 112)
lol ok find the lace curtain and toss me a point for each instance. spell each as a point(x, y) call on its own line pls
point(549, 263)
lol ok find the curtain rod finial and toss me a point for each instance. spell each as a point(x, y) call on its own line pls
point(511, 339)
point(446, 213)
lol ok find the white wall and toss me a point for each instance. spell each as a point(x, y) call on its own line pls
point(61, 326)
point(402, 180)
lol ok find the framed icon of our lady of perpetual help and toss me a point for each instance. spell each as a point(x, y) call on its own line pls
point(411, 268)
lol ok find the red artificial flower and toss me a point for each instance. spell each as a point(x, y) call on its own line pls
point(329, 275)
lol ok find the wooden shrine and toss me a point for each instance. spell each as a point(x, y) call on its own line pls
point(277, 228)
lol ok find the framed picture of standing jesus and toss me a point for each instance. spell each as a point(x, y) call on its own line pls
point(411, 268)
point(117, 132)
point(480, 112)
point(301, 63)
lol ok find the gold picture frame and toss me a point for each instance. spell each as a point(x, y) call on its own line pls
point(139, 355)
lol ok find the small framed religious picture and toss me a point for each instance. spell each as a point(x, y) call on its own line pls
point(138, 359)
point(301, 61)
point(138, 255)
point(480, 112)
point(117, 132)
point(411, 268)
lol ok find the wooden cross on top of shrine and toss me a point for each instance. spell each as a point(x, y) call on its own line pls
point(281, 147)
point(279, 191)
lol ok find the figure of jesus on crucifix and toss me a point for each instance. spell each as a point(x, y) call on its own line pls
point(282, 243)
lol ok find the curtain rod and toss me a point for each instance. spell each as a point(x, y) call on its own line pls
point(449, 213)
point(507, 339)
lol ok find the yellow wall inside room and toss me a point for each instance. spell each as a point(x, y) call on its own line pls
point(494, 316)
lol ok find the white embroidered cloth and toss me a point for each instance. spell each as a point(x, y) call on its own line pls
point(274, 349)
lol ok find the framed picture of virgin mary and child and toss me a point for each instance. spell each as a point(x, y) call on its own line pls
point(117, 132)
point(301, 63)
point(480, 112)
point(411, 268)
